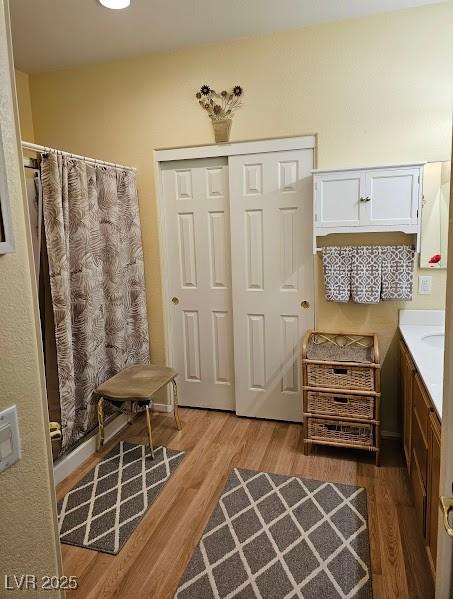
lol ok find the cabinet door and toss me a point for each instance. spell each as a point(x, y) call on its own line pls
point(407, 381)
point(419, 495)
point(338, 199)
point(394, 196)
point(433, 487)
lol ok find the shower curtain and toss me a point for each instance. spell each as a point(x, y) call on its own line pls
point(95, 256)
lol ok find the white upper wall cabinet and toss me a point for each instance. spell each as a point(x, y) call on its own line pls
point(367, 200)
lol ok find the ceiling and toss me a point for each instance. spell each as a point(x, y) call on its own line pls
point(53, 34)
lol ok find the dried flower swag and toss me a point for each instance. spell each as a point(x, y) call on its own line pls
point(220, 106)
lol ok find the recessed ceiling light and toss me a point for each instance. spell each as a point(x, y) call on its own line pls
point(115, 4)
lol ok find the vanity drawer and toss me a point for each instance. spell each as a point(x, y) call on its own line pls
point(421, 405)
point(419, 494)
point(420, 448)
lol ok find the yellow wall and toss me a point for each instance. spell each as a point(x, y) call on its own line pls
point(377, 90)
point(28, 534)
point(24, 105)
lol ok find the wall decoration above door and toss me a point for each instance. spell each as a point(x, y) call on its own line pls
point(220, 108)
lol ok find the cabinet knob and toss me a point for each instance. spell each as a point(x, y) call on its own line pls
point(305, 305)
point(175, 300)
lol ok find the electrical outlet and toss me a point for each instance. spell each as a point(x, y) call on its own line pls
point(425, 285)
point(9, 438)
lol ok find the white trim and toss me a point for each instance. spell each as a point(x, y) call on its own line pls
point(8, 245)
point(64, 467)
point(367, 168)
point(163, 407)
point(234, 148)
point(409, 229)
point(73, 460)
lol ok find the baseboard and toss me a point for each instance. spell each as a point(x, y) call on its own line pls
point(66, 465)
point(390, 435)
point(162, 407)
point(73, 460)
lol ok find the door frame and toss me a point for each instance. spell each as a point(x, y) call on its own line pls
point(162, 155)
point(444, 569)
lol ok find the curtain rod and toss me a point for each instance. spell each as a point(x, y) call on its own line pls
point(26, 145)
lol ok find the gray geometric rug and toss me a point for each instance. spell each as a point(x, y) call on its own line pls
point(104, 508)
point(275, 537)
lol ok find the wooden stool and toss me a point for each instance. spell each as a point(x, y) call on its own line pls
point(137, 384)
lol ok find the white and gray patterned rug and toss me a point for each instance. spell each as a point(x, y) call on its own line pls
point(104, 508)
point(275, 537)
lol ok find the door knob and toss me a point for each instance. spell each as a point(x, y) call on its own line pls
point(447, 506)
point(305, 305)
point(175, 300)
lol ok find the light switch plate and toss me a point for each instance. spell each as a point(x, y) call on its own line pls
point(425, 285)
point(10, 436)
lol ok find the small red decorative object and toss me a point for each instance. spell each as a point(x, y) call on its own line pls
point(434, 259)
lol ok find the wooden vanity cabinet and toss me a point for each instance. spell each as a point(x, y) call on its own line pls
point(421, 441)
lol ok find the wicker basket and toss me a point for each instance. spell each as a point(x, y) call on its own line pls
point(341, 404)
point(340, 377)
point(340, 347)
point(339, 431)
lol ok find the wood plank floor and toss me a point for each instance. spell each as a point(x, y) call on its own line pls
point(153, 560)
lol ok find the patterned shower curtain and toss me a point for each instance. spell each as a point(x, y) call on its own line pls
point(95, 255)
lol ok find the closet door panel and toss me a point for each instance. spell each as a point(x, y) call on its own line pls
point(272, 273)
point(199, 281)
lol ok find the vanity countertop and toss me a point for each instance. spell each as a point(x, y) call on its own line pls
point(422, 331)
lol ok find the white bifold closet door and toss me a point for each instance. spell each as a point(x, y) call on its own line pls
point(198, 269)
point(272, 271)
point(253, 301)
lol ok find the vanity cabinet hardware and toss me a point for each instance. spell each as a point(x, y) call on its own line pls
point(175, 300)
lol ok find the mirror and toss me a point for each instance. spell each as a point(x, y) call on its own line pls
point(436, 198)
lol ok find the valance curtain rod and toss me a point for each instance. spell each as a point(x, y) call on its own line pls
point(26, 145)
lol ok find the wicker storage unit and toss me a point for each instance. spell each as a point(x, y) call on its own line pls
point(341, 374)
